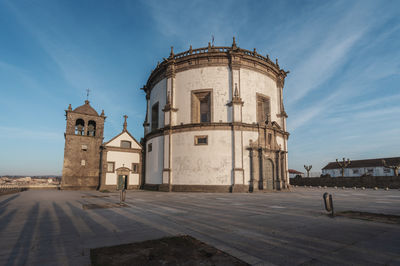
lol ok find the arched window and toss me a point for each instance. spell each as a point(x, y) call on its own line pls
point(91, 128)
point(80, 127)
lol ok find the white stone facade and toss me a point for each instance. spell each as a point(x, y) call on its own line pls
point(216, 141)
point(121, 156)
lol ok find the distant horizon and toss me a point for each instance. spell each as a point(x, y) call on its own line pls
point(342, 93)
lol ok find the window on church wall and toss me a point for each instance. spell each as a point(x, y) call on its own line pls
point(135, 168)
point(91, 128)
point(263, 109)
point(269, 138)
point(80, 127)
point(110, 167)
point(201, 106)
point(154, 116)
point(126, 144)
point(201, 140)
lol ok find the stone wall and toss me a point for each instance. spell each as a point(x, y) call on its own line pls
point(366, 181)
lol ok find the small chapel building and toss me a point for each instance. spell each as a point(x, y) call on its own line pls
point(91, 164)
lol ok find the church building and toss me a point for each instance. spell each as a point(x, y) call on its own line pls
point(215, 121)
point(91, 164)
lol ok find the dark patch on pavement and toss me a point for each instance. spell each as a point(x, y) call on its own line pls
point(375, 217)
point(177, 250)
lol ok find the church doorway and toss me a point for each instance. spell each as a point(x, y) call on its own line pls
point(123, 175)
point(268, 174)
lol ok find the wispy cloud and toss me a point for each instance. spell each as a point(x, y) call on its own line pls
point(193, 22)
point(27, 134)
point(58, 45)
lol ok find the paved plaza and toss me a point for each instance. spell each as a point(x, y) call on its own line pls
point(51, 227)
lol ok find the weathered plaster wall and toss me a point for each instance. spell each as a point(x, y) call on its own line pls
point(281, 141)
point(154, 161)
point(216, 78)
point(158, 94)
point(251, 83)
point(202, 164)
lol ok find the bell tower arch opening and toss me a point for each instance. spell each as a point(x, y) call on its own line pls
point(80, 127)
point(91, 128)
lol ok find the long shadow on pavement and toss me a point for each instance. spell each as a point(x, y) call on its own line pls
point(4, 202)
point(21, 250)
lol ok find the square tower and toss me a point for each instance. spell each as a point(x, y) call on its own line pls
point(83, 139)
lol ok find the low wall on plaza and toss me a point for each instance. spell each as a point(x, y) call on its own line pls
point(12, 188)
point(363, 181)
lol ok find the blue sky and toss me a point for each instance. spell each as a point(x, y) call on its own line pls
point(342, 94)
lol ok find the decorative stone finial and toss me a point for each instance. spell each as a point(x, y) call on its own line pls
point(69, 107)
point(102, 113)
point(190, 49)
point(267, 56)
point(234, 42)
point(254, 51)
point(125, 124)
point(86, 101)
point(276, 61)
point(209, 46)
point(172, 52)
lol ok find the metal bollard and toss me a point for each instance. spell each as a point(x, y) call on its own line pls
point(122, 196)
point(328, 203)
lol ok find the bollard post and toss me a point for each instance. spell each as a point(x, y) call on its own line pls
point(328, 203)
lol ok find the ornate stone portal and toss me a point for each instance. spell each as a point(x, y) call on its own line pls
point(268, 160)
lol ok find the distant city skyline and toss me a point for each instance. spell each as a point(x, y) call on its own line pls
point(342, 93)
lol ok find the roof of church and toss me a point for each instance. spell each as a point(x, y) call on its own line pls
point(365, 163)
point(123, 131)
point(86, 109)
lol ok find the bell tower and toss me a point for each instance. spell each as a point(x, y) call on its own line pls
point(83, 139)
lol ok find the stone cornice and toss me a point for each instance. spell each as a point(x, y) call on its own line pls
point(233, 57)
point(111, 148)
point(213, 126)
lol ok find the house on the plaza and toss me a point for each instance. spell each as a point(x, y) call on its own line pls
point(370, 167)
point(215, 121)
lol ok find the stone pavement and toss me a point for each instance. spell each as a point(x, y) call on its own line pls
point(278, 228)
